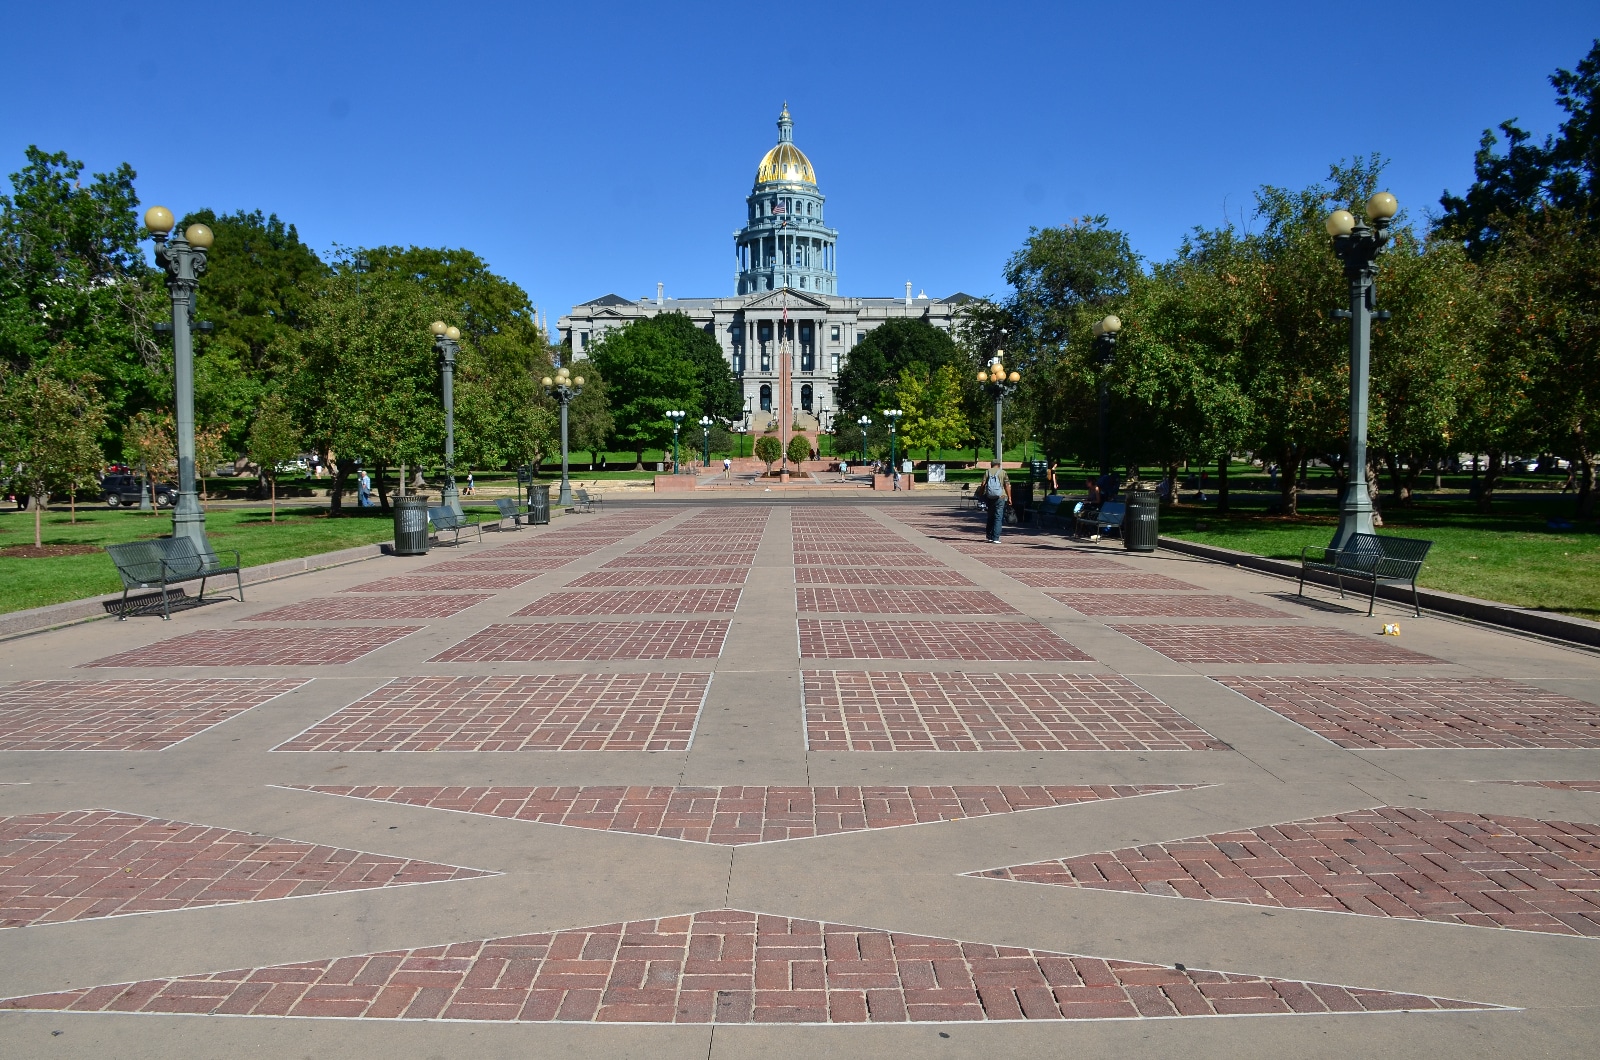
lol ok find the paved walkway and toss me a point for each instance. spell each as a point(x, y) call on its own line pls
point(778, 780)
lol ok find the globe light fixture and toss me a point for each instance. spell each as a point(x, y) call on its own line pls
point(893, 416)
point(445, 345)
point(1357, 243)
point(864, 422)
point(563, 388)
point(1001, 385)
point(159, 219)
point(677, 416)
point(199, 236)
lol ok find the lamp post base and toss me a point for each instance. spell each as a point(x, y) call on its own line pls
point(450, 498)
point(1354, 518)
point(564, 499)
point(190, 522)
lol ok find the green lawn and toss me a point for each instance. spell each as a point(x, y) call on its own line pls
point(300, 531)
point(1507, 555)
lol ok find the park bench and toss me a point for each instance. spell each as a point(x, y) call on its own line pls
point(509, 509)
point(1369, 558)
point(1057, 512)
point(167, 561)
point(444, 519)
point(1098, 522)
point(582, 502)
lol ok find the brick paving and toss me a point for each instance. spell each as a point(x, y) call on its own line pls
point(727, 966)
point(901, 602)
point(410, 583)
point(698, 576)
point(339, 608)
point(594, 641)
point(1081, 578)
point(485, 562)
point(1302, 645)
point(848, 638)
point(907, 711)
point(1397, 712)
point(636, 602)
point(124, 715)
point(268, 646)
point(737, 815)
point(716, 557)
point(1147, 606)
point(922, 574)
point(85, 864)
point(543, 712)
point(1453, 868)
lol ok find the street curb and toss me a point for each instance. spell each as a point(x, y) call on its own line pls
point(1527, 620)
point(72, 612)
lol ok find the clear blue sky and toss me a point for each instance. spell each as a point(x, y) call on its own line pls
point(598, 147)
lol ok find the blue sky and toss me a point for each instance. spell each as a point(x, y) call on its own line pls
point(600, 147)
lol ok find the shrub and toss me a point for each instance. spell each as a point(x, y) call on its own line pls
point(799, 449)
point(768, 450)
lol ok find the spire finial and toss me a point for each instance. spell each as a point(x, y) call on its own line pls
point(785, 125)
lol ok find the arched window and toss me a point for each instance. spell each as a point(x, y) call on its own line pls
point(766, 398)
point(805, 396)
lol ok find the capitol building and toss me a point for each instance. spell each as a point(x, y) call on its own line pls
point(786, 264)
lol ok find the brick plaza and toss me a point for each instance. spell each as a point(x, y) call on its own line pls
point(795, 779)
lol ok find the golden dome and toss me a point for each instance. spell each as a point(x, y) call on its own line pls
point(786, 164)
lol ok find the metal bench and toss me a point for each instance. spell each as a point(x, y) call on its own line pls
point(582, 502)
point(167, 561)
point(444, 519)
point(1102, 520)
point(1058, 512)
point(1370, 558)
point(509, 509)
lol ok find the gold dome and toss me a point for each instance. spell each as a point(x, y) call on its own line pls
point(787, 164)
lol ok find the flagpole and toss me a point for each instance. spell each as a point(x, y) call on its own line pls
point(785, 383)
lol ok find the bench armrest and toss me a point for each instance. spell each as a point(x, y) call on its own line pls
point(1323, 554)
point(1388, 567)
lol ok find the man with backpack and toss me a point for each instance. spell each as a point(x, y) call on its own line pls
point(995, 493)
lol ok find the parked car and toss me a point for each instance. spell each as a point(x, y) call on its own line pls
point(228, 470)
point(123, 491)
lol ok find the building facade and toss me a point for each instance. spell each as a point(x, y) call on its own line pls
point(787, 301)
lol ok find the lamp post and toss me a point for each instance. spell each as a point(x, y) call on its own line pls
point(864, 422)
point(705, 440)
point(1105, 354)
point(1000, 384)
point(183, 257)
point(446, 343)
point(1357, 245)
point(677, 417)
point(564, 387)
point(893, 416)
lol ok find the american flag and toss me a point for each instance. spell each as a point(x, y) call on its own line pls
point(780, 208)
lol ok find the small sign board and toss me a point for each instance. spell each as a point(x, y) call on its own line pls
point(935, 472)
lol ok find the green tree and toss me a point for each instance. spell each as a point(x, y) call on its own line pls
point(657, 364)
point(935, 415)
point(799, 449)
point(50, 436)
point(274, 439)
point(151, 442)
point(768, 450)
point(589, 419)
point(871, 374)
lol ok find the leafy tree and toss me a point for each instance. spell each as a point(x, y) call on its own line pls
point(657, 364)
point(799, 449)
point(151, 441)
point(935, 417)
point(274, 439)
point(50, 437)
point(768, 450)
point(871, 374)
point(589, 419)
point(210, 449)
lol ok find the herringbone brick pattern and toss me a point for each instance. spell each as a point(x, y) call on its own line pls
point(636, 602)
point(847, 638)
point(1395, 712)
point(887, 710)
point(727, 966)
point(742, 814)
point(1302, 645)
point(1455, 868)
point(591, 641)
point(83, 864)
point(544, 712)
point(268, 646)
point(124, 715)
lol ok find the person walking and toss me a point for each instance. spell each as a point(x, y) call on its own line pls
point(727, 466)
point(364, 490)
point(995, 494)
point(469, 483)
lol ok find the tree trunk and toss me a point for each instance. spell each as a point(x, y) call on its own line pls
point(341, 474)
point(39, 501)
point(1172, 479)
point(1222, 483)
point(1584, 467)
point(402, 487)
point(1288, 481)
point(72, 505)
point(638, 459)
point(1438, 474)
point(383, 490)
point(274, 485)
point(1396, 485)
point(1491, 479)
point(1374, 487)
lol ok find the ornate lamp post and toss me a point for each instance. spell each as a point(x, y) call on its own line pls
point(893, 416)
point(864, 422)
point(1105, 354)
point(564, 387)
point(705, 440)
point(677, 417)
point(183, 257)
point(446, 342)
point(1357, 245)
point(1000, 384)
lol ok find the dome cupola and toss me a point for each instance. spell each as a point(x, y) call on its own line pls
point(785, 163)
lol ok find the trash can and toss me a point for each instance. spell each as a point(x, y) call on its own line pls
point(539, 504)
point(411, 526)
point(1141, 520)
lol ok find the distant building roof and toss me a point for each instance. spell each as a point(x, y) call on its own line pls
point(610, 299)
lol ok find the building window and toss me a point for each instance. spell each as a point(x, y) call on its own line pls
point(583, 340)
point(766, 398)
point(858, 338)
point(766, 361)
point(834, 335)
point(805, 397)
point(808, 360)
point(738, 362)
point(836, 364)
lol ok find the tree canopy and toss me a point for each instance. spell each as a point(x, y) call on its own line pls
point(870, 377)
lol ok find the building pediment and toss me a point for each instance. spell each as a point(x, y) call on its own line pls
point(792, 298)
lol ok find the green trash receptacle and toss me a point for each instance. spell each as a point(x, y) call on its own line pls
point(410, 526)
point(1141, 523)
point(538, 505)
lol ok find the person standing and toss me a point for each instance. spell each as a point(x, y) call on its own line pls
point(364, 490)
point(996, 494)
point(469, 483)
point(727, 465)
